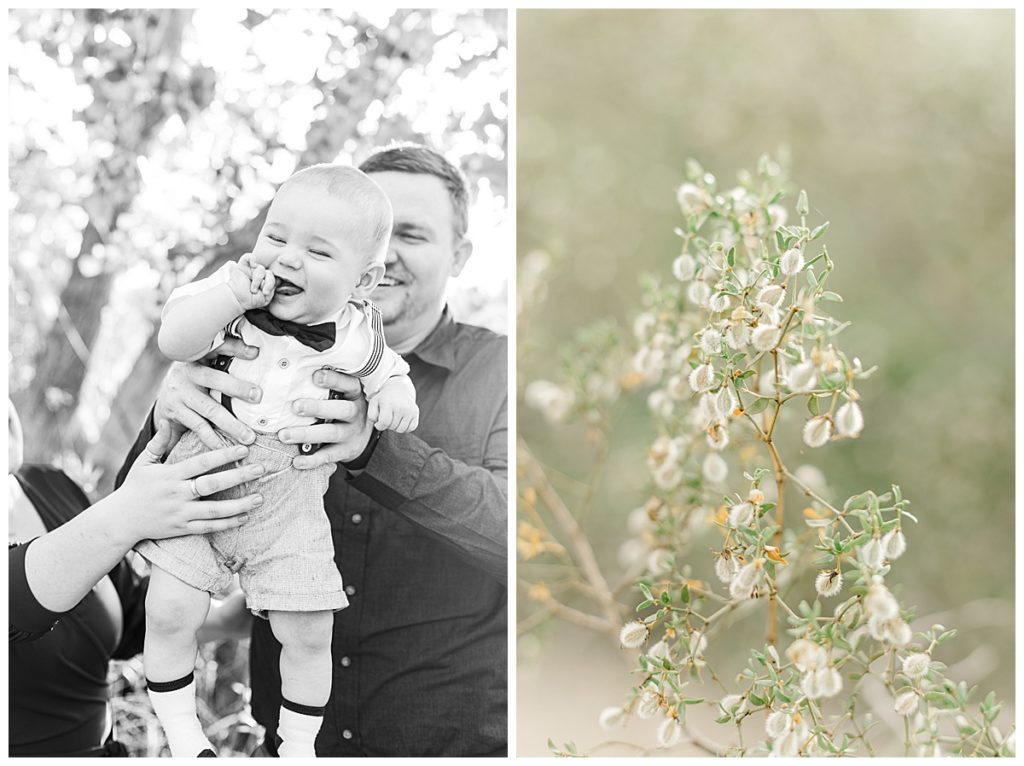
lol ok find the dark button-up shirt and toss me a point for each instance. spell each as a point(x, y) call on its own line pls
point(420, 538)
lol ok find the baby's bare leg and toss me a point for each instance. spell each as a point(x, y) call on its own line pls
point(306, 672)
point(174, 612)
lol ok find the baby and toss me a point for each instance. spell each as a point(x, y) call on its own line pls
point(301, 298)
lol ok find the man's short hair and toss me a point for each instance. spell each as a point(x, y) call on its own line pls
point(408, 157)
point(368, 199)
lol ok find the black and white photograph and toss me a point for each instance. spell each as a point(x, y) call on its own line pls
point(259, 268)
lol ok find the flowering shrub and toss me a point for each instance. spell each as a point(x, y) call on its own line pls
point(742, 358)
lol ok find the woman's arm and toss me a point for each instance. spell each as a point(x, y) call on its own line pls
point(156, 501)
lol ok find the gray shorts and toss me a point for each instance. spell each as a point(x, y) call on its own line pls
point(283, 554)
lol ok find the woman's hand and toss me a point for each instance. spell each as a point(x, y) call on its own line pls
point(348, 432)
point(158, 500)
point(185, 400)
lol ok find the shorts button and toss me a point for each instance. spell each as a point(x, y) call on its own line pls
point(345, 662)
point(357, 518)
point(346, 734)
point(282, 363)
point(350, 590)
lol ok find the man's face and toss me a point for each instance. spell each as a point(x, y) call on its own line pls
point(316, 249)
point(422, 255)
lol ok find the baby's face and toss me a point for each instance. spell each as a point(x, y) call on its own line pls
point(316, 247)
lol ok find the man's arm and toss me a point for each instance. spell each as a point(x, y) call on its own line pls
point(464, 505)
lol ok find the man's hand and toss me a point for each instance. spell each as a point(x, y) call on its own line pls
point(251, 282)
point(346, 436)
point(185, 400)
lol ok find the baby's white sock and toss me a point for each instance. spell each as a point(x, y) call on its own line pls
point(175, 706)
point(297, 728)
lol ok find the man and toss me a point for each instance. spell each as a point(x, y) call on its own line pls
point(419, 519)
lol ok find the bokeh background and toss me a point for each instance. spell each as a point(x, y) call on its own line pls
point(144, 148)
point(900, 124)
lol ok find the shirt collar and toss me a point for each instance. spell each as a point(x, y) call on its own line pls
point(437, 348)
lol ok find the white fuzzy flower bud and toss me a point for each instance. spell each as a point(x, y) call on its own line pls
point(659, 560)
point(748, 578)
point(741, 514)
point(765, 337)
point(898, 633)
point(649, 704)
point(552, 400)
point(776, 724)
point(718, 437)
point(806, 655)
point(711, 341)
point(817, 431)
point(702, 378)
point(737, 335)
point(714, 469)
point(648, 361)
point(788, 745)
point(725, 568)
point(895, 544)
point(720, 302)
point(849, 420)
point(879, 602)
point(828, 583)
point(730, 704)
point(829, 681)
point(916, 665)
point(668, 475)
point(872, 554)
point(659, 651)
point(698, 293)
point(801, 377)
point(724, 403)
point(755, 496)
point(678, 387)
point(669, 733)
point(684, 267)
point(660, 403)
point(612, 718)
point(771, 294)
point(791, 262)
point(643, 325)
point(633, 634)
point(906, 703)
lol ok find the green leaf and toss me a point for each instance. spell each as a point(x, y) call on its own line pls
point(644, 605)
point(812, 405)
point(802, 208)
point(828, 295)
point(819, 230)
point(684, 594)
point(759, 405)
point(665, 598)
point(730, 257)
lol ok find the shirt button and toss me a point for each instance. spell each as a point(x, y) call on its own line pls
point(357, 518)
point(282, 363)
point(346, 734)
point(262, 421)
point(350, 590)
point(345, 662)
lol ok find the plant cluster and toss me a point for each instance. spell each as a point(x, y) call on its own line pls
point(738, 349)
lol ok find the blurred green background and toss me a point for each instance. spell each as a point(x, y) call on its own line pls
point(900, 125)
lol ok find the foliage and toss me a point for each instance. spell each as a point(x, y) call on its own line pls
point(741, 333)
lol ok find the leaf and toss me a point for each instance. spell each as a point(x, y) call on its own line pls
point(759, 405)
point(819, 231)
point(812, 405)
point(730, 257)
point(828, 295)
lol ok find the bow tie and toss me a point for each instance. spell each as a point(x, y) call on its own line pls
point(317, 336)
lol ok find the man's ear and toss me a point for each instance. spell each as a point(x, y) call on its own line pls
point(462, 252)
point(373, 274)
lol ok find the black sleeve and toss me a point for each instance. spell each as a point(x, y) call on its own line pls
point(131, 589)
point(140, 444)
point(27, 618)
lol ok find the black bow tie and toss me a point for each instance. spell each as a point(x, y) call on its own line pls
point(317, 336)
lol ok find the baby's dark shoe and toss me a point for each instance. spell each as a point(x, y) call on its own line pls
point(207, 753)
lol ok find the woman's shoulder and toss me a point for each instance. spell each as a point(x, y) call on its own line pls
point(56, 496)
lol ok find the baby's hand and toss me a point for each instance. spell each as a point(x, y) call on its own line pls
point(252, 284)
point(393, 408)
